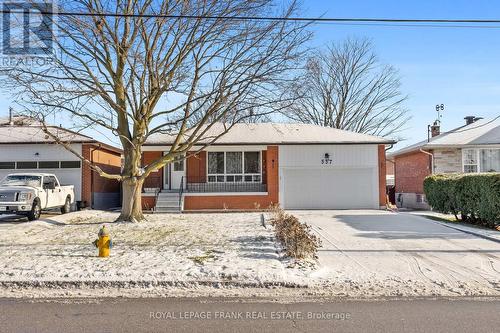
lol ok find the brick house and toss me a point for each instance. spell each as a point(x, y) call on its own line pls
point(256, 165)
point(474, 147)
point(24, 147)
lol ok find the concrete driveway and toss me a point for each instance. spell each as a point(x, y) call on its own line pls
point(378, 252)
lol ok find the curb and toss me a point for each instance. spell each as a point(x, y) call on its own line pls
point(478, 234)
point(147, 284)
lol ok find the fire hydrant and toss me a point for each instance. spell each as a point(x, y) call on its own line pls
point(104, 242)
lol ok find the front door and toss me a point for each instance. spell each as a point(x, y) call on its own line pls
point(176, 173)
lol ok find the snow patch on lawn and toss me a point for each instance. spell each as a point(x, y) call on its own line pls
point(165, 250)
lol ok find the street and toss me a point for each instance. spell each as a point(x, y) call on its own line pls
point(247, 315)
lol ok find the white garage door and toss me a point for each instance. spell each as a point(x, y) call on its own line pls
point(65, 176)
point(329, 188)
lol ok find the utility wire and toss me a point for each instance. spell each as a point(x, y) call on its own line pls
point(269, 18)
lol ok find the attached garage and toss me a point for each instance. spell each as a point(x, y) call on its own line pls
point(329, 176)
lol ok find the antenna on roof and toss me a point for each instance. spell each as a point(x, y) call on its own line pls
point(11, 119)
point(435, 129)
point(439, 108)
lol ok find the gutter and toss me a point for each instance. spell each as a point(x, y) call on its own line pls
point(432, 159)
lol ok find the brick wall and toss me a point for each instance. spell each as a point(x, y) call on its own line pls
point(86, 176)
point(155, 178)
point(410, 171)
point(245, 202)
point(389, 167)
point(99, 192)
point(196, 168)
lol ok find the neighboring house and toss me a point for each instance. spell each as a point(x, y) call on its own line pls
point(254, 166)
point(472, 148)
point(24, 147)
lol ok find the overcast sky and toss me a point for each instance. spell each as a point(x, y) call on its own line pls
point(459, 67)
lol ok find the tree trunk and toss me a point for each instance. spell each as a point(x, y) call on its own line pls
point(131, 201)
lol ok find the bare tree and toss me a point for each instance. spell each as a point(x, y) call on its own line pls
point(137, 68)
point(346, 87)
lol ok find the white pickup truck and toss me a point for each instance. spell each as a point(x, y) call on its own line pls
point(30, 193)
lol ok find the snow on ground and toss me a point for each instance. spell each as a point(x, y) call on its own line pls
point(364, 254)
point(168, 248)
point(375, 253)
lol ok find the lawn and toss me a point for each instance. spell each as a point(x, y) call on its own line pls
point(169, 249)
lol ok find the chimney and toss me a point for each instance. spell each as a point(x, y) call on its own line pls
point(471, 119)
point(435, 129)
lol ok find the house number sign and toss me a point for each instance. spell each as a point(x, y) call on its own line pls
point(326, 159)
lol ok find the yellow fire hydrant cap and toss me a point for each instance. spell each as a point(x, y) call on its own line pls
point(103, 231)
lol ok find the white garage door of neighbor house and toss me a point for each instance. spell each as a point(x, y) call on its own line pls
point(65, 176)
point(329, 188)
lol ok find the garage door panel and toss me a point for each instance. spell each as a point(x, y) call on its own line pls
point(329, 188)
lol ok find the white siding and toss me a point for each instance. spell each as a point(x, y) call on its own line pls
point(46, 152)
point(351, 181)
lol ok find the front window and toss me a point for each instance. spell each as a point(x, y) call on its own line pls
point(481, 160)
point(234, 167)
point(490, 160)
point(21, 180)
point(470, 160)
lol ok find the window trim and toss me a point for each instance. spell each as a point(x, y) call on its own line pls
point(243, 174)
point(78, 167)
point(478, 158)
point(13, 165)
point(480, 150)
point(18, 168)
point(58, 164)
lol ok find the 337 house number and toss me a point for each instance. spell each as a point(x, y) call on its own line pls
point(326, 159)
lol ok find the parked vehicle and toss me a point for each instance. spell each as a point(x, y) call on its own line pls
point(30, 193)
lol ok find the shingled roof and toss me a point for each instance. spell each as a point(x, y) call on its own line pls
point(276, 133)
point(480, 133)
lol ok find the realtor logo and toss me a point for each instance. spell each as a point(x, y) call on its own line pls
point(28, 28)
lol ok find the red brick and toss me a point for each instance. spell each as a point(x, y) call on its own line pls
point(410, 171)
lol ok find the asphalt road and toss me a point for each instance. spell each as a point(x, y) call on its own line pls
point(251, 315)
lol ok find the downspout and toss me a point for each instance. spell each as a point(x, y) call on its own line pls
point(432, 159)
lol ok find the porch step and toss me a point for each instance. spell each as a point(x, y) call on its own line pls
point(167, 210)
point(167, 202)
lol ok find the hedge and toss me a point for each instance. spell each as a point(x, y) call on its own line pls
point(474, 198)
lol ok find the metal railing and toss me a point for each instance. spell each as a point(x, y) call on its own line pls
point(200, 185)
point(152, 182)
point(181, 190)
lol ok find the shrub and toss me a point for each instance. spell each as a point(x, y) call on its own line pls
point(475, 197)
point(296, 237)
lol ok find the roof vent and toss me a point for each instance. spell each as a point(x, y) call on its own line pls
point(471, 119)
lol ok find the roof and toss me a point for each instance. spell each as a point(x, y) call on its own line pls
point(480, 133)
point(35, 134)
point(275, 133)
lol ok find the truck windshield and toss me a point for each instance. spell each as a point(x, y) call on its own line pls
point(21, 180)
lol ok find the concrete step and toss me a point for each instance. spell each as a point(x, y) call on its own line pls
point(167, 210)
point(167, 207)
point(176, 200)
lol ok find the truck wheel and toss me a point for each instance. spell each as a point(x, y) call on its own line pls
point(35, 212)
point(67, 206)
